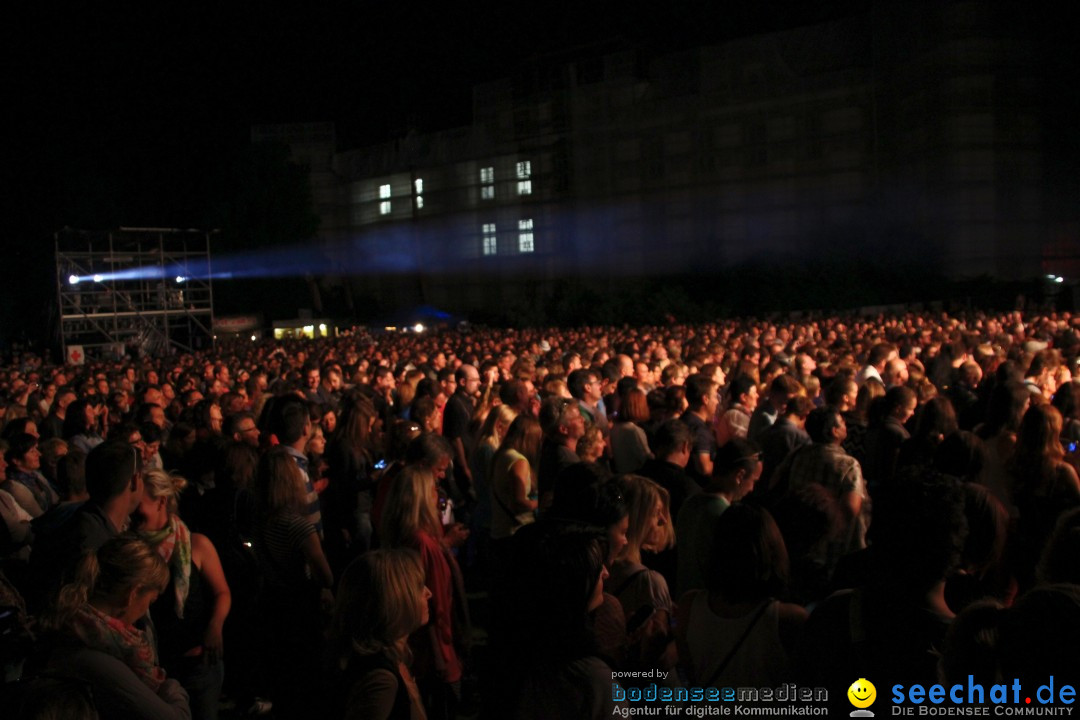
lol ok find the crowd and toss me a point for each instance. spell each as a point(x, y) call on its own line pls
point(324, 528)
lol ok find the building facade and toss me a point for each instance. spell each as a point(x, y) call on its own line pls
point(911, 133)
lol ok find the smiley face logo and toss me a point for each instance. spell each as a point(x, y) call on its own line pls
point(862, 693)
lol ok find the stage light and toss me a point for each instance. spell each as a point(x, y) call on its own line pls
point(418, 327)
point(252, 338)
point(180, 279)
point(98, 278)
point(73, 279)
point(1059, 279)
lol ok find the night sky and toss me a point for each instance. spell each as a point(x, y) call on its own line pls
point(132, 117)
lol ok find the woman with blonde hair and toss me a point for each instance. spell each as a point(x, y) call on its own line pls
point(189, 616)
point(98, 618)
point(382, 600)
point(411, 520)
point(1044, 485)
point(492, 432)
point(514, 476)
point(644, 593)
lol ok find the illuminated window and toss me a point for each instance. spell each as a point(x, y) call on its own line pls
point(384, 191)
point(524, 187)
point(487, 192)
point(419, 202)
point(418, 183)
point(525, 236)
point(487, 175)
point(490, 239)
point(524, 170)
point(384, 207)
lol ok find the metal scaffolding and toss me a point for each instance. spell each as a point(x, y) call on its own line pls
point(144, 288)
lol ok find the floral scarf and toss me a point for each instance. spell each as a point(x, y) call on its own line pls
point(173, 544)
point(113, 636)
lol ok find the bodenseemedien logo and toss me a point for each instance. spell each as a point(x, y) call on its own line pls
point(862, 694)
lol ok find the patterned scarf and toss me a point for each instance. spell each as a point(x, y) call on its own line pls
point(113, 636)
point(173, 544)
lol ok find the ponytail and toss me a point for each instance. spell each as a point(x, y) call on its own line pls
point(76, 593)
point(108, 576)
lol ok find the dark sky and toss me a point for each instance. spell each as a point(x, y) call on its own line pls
point(120, 116)
point(124, 117)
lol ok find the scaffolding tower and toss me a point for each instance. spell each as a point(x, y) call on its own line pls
point(135, 288)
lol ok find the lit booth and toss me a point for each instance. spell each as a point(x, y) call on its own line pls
point(309, 328)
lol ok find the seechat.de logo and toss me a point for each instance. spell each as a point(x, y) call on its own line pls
point(862, 694)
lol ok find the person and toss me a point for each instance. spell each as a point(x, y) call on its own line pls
point(642, 592)
point(81, 424)
point(17, 532)
point(781, 390)
point(457, 415)
point(702, 402)
point(552, 665)
point(585, 387)
point(737, 469)
point(411, 520)
point(563, 425)
point(492, 432)
point(190, 614)
point(25, 481)
point(381, 601)
point(824, 462)
point(886, 434)
point(673, 444)
point(629, 446)
point(513, 478)
point(591, 446)
point(736, 632)
point(783, 437)
point(894, 620)
point(350, 494)
point(115, 485)
point(1043, 484)
point(857, 417)
point(297, 581)
point(742, 394)
point(100, 637)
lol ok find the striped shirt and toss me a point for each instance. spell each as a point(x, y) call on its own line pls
point(279, 549)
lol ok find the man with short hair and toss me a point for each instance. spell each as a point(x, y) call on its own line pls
point(895, 373)
point(329, 391)
point(114, 482)
point(563, 425)
point(737, 469)
point(311, 379)
point(241, 428)
point(702, 402)
point(457, 415)
point(783, 437)
point(673, 444)
point(781, 390)
point(876, 360)
point(515, 393)
point(291, 424)
point(824, 462)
